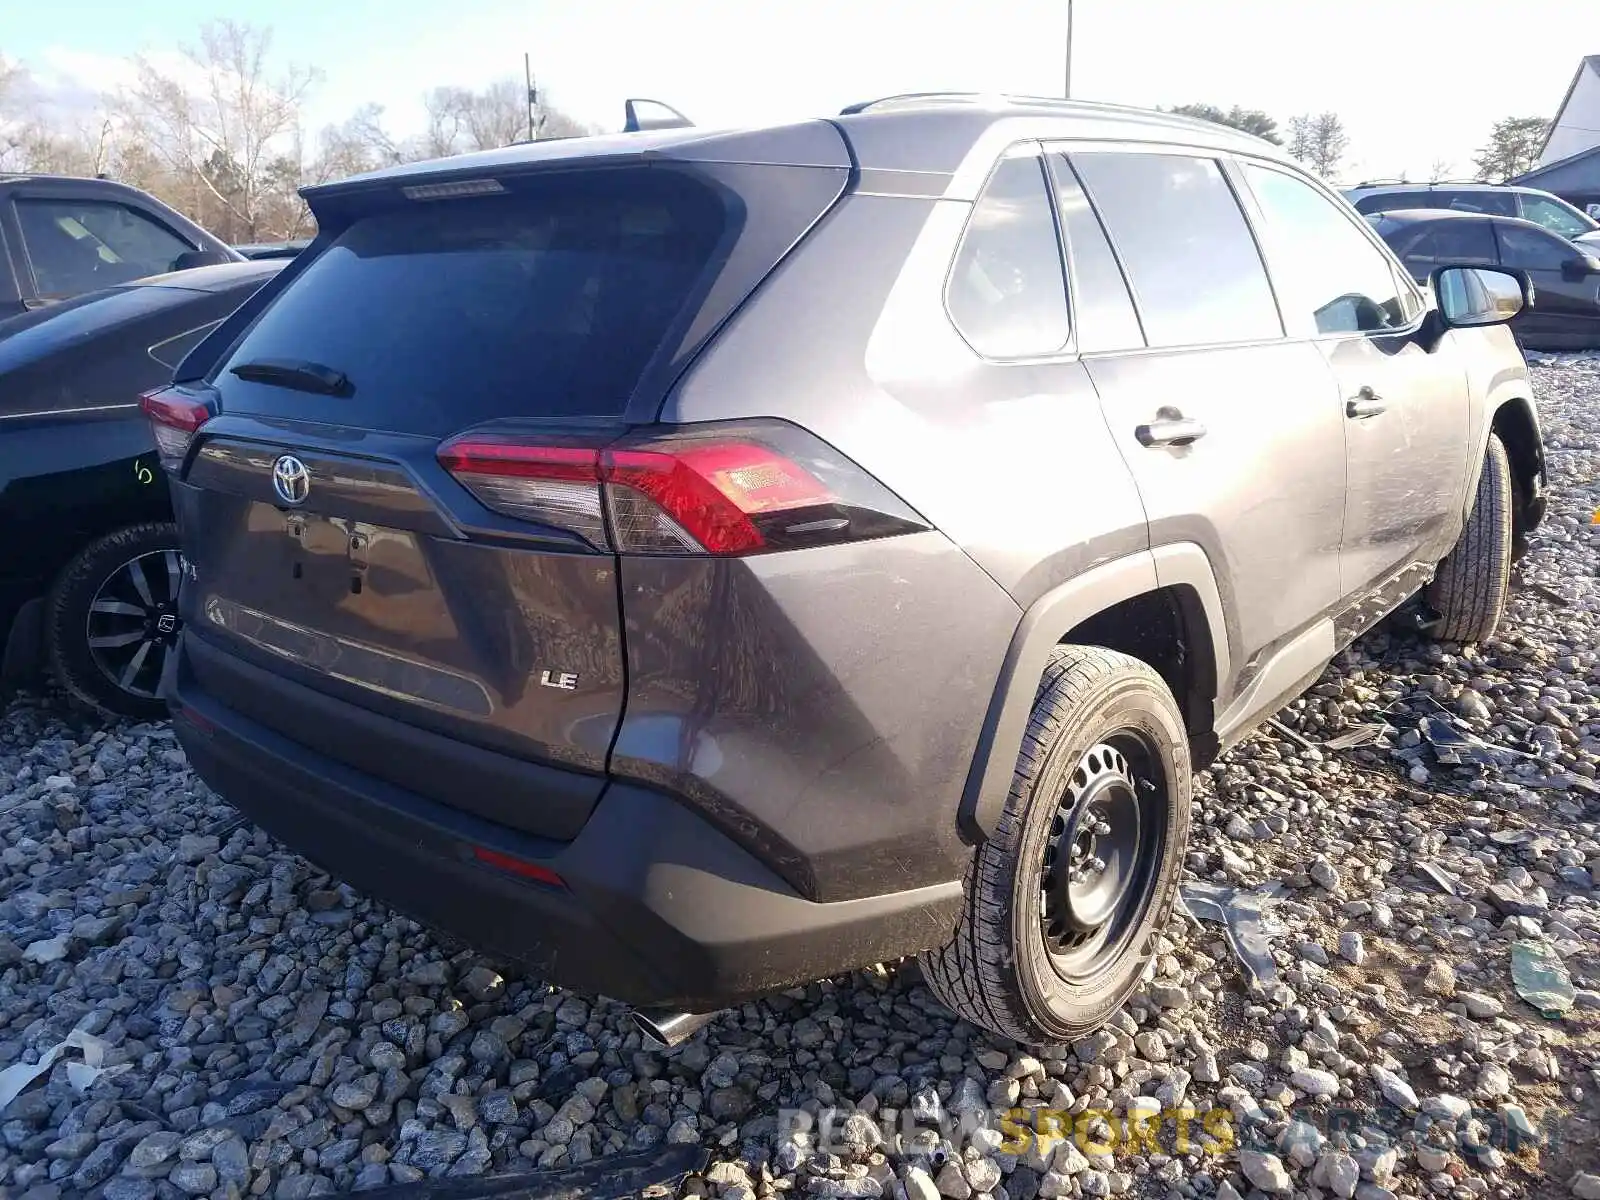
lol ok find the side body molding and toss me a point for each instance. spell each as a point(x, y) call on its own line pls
point(1044, 625)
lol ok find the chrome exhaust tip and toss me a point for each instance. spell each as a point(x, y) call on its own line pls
point(668, 1027)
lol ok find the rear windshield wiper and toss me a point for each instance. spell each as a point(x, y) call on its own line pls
point(294, 373)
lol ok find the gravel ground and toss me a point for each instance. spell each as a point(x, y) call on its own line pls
point(270, 1033)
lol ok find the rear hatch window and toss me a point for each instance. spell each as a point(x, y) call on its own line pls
point(545, 301)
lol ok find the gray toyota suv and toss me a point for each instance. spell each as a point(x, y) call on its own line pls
point(695, 563)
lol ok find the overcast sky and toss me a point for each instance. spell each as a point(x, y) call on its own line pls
point(1416, 81)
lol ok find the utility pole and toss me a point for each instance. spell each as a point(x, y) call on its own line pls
point(1068, 90)
point(533, 95)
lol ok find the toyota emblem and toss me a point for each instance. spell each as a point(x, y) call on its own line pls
point(291, 480)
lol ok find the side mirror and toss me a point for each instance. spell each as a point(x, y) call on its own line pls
point(1576, 270)
point(190, 259)
point(1471, 297)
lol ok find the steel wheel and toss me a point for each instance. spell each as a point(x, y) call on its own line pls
point(1050, 944)
point(133, 621)
point(1104, 850)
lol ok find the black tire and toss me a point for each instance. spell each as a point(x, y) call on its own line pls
point(1469, 590)
point(91, 675)
point(999, 971)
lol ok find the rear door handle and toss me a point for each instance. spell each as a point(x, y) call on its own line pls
point(1170, 428)
point(1367, 403)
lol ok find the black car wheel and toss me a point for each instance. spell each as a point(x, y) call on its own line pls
point(1065, 899)
point(112, 620)
point(1469, 592)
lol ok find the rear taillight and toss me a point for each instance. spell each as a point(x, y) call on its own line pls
point(724, 490)
point(554, 485)
point(174, 418)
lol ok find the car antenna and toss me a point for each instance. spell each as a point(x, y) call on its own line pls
point(634, 122)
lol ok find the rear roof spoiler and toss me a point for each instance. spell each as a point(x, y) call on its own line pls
point(670, 119)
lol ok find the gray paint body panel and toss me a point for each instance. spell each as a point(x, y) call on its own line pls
point(850, 716)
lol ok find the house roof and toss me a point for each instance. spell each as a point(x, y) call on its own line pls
point(1589, 63)
point(1532, 178)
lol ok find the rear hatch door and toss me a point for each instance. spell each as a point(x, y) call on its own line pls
point(479, 625)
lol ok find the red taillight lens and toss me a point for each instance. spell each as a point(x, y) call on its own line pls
point(174, 418)
point(709, 492)
point(723, 491)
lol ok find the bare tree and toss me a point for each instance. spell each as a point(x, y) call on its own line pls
point(230, 126)
point(1514, 146)
point(12, 127)
point(557, 124)
point(361, 143)
point(462, 120)
point(218, 134)
point(446, 108)
point(1319, 141)
point(498, 115)
point(1440, 169)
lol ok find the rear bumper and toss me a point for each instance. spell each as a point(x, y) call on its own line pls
point(657, 907)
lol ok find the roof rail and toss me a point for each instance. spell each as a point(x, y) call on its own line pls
point(1381, 182)
point(918, 99)
point(909, 99)
point(633, 122)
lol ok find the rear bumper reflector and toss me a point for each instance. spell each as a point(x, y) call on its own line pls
point(517, 866)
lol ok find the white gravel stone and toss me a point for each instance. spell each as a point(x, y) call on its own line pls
point(1352, 948)
point(1315, 1082)
point(1265, 1171)
point(1395, 1089)
point(1338, 1172)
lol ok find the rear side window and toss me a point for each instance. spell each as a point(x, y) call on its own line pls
point(1101, 303)
point(53, 328)
point(79, 246)
point(545, 302)
point(1007, 292)
point(1463, 241)
point(1557, 218)
point(1330, 276)
point(1502, 204)
point(1414, 244)
point(1191, 260)
point(172, 351)
point(1532, 249)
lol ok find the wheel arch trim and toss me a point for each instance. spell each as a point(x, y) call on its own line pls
point(1044, 625)
point(1515, 419)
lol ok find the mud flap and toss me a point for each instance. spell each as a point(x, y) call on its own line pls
point(24, 648)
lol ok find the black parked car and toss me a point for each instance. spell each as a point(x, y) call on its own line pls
point(1491, 199)
point(1566, 276)
point(61, 237)
point(89, 577)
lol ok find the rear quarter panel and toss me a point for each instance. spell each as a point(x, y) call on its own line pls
point(850, 338)
point(867, 671)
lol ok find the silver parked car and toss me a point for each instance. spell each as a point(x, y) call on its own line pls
point(695, 563)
